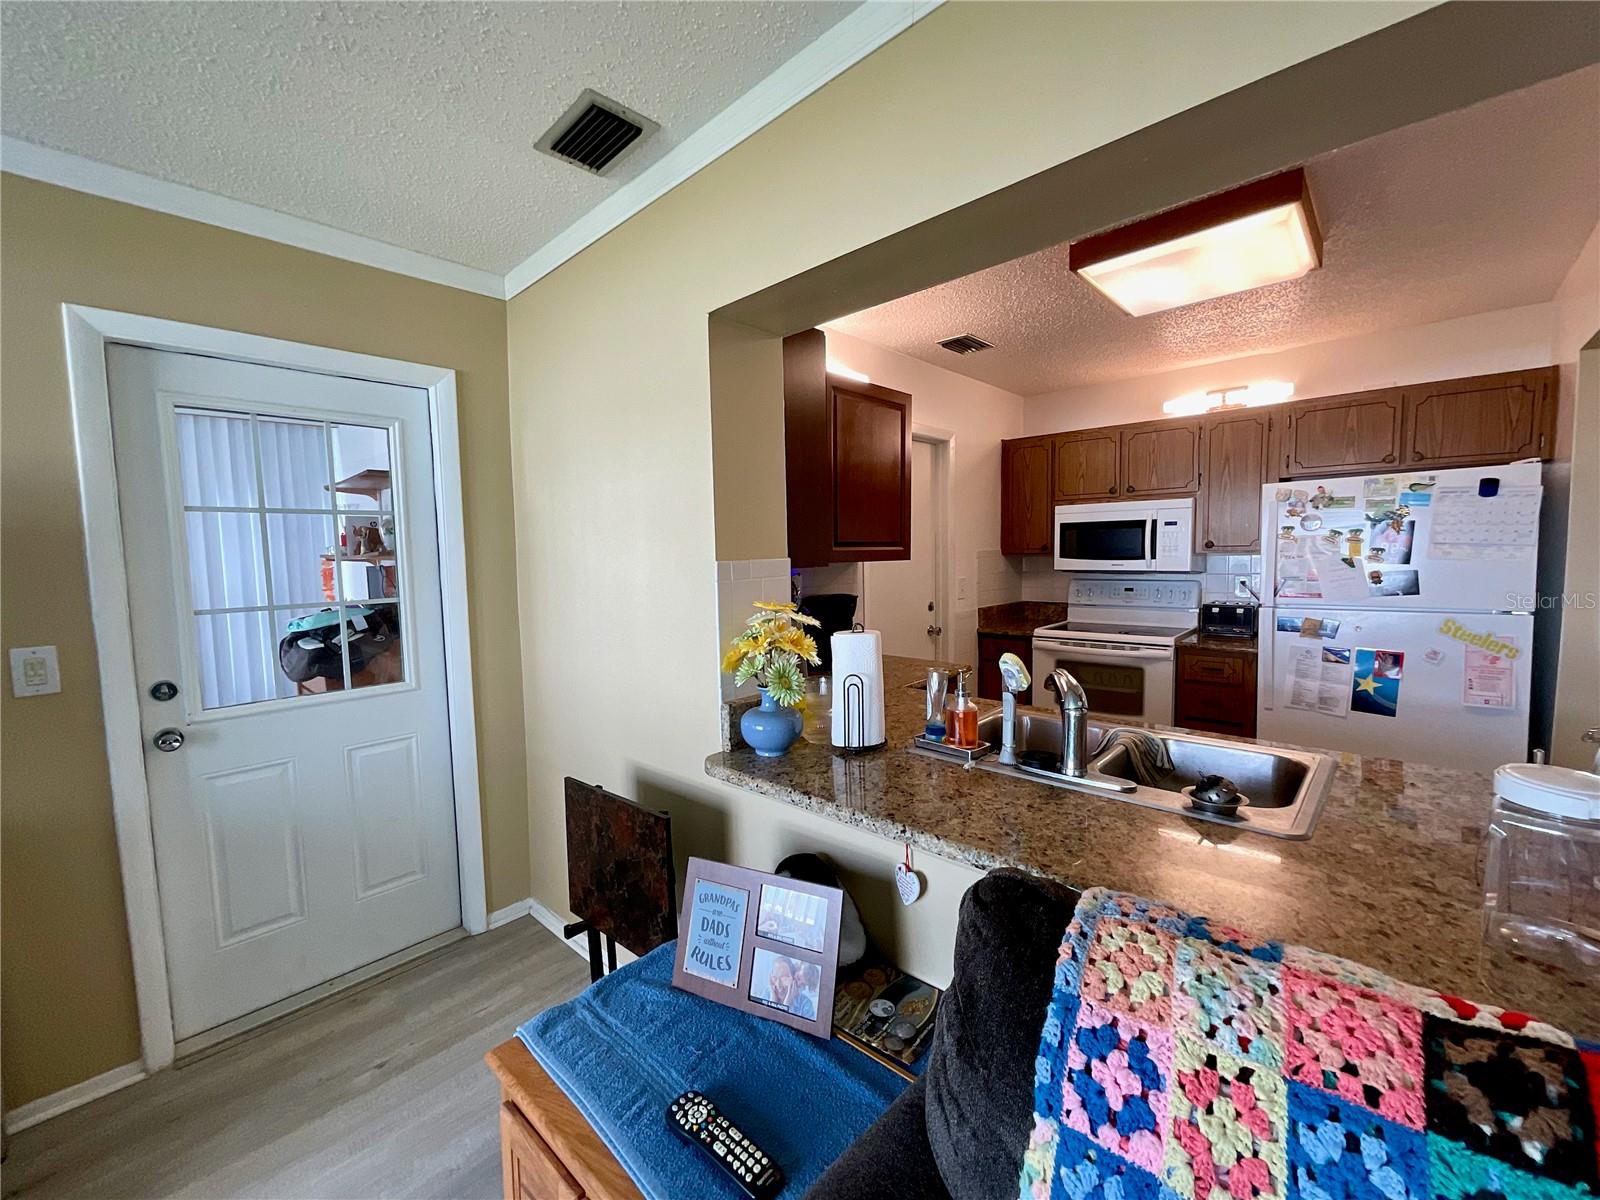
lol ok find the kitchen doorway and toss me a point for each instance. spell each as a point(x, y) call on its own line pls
point(908, 600)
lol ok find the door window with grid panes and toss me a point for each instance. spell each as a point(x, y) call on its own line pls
point(294, 555)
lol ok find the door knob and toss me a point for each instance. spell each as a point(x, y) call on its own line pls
point(935, 630)
point(168, 740)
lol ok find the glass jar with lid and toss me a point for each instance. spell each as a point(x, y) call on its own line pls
point(1541, 876)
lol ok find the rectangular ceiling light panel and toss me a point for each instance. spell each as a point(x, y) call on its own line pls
point(1264, 232)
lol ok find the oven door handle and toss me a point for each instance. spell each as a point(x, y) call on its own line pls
point(1100, 654)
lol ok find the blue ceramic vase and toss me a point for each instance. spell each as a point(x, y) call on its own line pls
point(770, 729)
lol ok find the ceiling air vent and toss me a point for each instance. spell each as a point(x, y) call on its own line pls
point(966, 344)
point(595, 132)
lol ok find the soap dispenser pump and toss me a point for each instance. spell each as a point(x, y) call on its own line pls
point(961, 716)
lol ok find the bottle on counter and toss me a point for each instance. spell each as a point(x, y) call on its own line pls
point(961, 715)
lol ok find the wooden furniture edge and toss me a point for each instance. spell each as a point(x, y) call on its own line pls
point(566, 1133)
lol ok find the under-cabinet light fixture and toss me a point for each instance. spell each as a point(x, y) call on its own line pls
point(1239, 395)
point(1260, 233)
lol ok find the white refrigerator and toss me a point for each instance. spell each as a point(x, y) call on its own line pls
point(1396, 614)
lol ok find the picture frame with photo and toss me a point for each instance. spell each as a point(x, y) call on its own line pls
point(761, 943)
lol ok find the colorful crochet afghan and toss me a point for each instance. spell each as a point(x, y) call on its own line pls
point(1183, 1060)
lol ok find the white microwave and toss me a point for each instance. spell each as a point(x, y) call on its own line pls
point(1131, 535)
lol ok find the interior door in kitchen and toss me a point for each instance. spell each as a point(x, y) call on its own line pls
point(901, 595)
point(283, 582)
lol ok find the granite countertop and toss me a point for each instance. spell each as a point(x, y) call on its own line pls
point(1389, 878)
point(1019, 618)
point(1210, 641)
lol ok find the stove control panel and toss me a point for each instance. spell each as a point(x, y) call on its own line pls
point(1135, 593)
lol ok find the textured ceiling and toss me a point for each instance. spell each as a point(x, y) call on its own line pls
point(1476, 210)
point(411, 123)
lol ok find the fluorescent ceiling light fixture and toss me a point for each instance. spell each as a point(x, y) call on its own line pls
point(1239, 395)
point(840, 369)
point(1263, 232)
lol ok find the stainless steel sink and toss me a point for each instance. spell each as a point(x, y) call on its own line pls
point(1284, 789)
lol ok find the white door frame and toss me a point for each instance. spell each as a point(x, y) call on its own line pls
point(87, 332)
point(943, 442)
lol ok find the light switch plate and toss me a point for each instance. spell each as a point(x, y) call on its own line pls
point(34, 671)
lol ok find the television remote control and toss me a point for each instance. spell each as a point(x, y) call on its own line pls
point(697, 1119)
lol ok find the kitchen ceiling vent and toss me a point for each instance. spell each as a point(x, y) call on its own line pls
point(595, 132)
point(966, 344)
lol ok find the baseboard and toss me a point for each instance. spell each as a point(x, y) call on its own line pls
point(510, 912)
point(34, 1111)
point(547, 917)
point(555, 925)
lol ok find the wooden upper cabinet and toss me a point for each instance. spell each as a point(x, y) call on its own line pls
point(1026, 503)
point(1086, 465)
point(871, 471)
point(1343, 434)
point(1233, 452)
point(1485, 419)
point(1160, 458)
point(847, 449)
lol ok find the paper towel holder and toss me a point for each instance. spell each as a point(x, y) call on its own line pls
point(851, 692)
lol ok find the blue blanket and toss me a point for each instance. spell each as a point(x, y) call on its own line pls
point(631, 1043)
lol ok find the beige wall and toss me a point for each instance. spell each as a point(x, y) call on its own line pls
point(747, 441)
point(611, 406)
point(68, 1001)
point(1480, 344)
point(1577, 345)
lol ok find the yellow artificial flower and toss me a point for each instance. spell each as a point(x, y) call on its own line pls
point(782, 606)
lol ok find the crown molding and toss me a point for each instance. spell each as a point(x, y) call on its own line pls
point(847, 43)
point(841, 47)
point(179, 200)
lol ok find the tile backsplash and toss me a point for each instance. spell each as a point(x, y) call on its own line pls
point(740, 583)
point(1036, 579)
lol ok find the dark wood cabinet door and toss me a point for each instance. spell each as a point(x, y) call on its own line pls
point(1215, 691)
point(1086, 465)
point(1026, 505)
point(1233, 468)
point(871, 471)
point(1342, 434)
point(1482, 420)
point(990, 647)
point(1160, 458)
point(847, 454)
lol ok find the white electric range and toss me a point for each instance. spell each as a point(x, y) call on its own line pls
point(1119, 641)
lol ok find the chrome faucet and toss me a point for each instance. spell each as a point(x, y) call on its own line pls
point(1074, 720)
point(1075, 734)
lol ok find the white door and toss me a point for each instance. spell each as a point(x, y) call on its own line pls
point(305, 825)
point(900, 595)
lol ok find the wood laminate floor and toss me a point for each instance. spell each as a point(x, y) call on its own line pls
point(378, 1092)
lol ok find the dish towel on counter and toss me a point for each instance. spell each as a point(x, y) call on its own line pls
point(1183, 1059)
point(1151, 761)
point(626, 1046)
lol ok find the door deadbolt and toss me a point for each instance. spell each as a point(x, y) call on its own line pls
point(163, 689)
point(168, 740)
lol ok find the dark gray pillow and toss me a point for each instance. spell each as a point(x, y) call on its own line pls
point(980, 1073)
point(890, 1161)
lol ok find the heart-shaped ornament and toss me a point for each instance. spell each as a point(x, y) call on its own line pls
point(908, 883)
